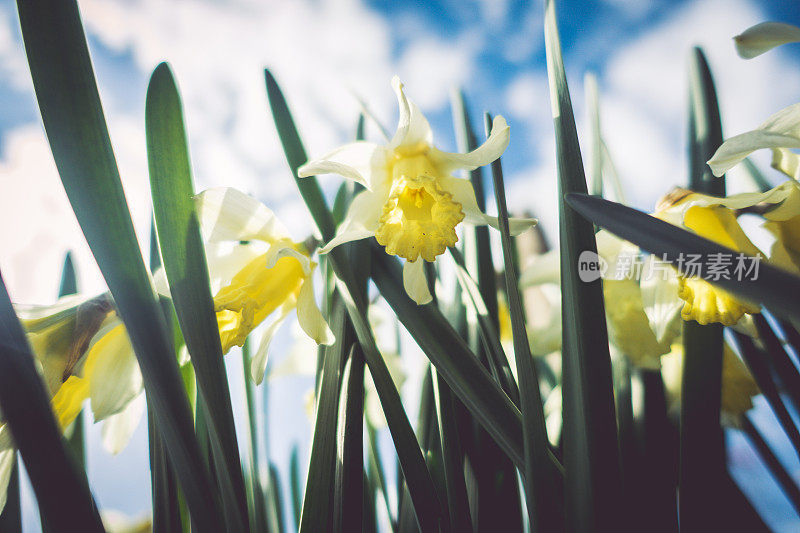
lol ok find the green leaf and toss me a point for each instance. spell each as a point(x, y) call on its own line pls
point(62, 490)
point(73, 119)
point(426, 504)
point(787, 484)
point(294, 485)
point(591, 456)
point(75, 441)
point(184, 261)
point(349, 487)
point(255, 490)
point(296, 156)
point(317, 514)
point(452, 456)
point(539, 476)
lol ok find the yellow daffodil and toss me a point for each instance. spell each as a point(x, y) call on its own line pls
point(738, 385)
point(256, 269)
point(83, 352)
point(763, 37)
point(641, 324)
point(413, 203)
point(715, 219)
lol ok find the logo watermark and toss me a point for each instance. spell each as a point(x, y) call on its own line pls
point(712, 267)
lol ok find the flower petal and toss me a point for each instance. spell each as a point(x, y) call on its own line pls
point(310, 317)
point(225, 261)
point(787, 162)
point(463, 193)
point(660, 299)
point(113, 373)
point(781, 130)
point(118, 429)
point(362, 219)
point(359, 161)
point(545, 268)
point(763, 37)
point(287, 248)
point(229, 215)
point(415, 282)
point(490, 150)
point(258, 364)
point(413, 127)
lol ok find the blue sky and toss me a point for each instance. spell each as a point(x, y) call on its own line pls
point(324, 52)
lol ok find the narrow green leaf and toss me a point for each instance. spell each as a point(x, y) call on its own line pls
point(73, 119)
point(256, 492)
point(487, 326)
point(375, 469)
point(779, 360)
point(349, 488)
point(275, 499)
point(317, 514)
point(787, 484)
point(595, 139)
point(168, 514)
point(702, 460)
point(184, 261)
point(774, 287)
point(75, 441)
point(539, 477)
point(295, 487)
point(591, 456)
point(62, 490)
point(453, 457)
point(756, 361)
point(296, 156)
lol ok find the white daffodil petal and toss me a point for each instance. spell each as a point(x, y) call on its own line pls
point(35, 312)
point(258, 364)
point(415, 282)
point(113, 373)
point(362, 219)
point(118, 429)
point(357, 161)
point(8, 459)
point(763, 37)
point(285, 249)
point(225, 260)
point(412, 127)
point(781, 130)
point(786, 161)
point(659, 285)
point(464, 194)
point(489, 151)
point(310, 317)
point(229, 215)
point(6, 441)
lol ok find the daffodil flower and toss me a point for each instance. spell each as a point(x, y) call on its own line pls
point(412, 202)
point(256, 270)
point(780, 133)
point(641, 323)
point(715, 219)
point(763, 37)
point(83, 352)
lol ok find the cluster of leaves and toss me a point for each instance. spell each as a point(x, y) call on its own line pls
point(480, 457)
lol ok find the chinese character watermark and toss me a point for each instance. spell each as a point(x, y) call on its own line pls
point(712, 267)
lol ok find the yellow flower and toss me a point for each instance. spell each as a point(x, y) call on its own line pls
point(256, 269)
point(413, 203)
point(715, 219)
point(640, 305)
point(83, 352)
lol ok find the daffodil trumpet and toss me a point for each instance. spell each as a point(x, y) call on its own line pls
point(412, 203)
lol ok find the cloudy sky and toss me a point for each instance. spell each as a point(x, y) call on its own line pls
point(328, 53)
